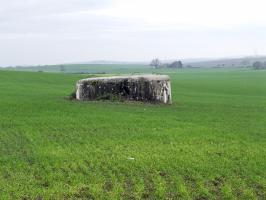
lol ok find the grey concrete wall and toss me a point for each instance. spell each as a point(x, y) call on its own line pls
point(146, 88)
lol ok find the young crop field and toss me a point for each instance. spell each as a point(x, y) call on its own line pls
point(209, 144)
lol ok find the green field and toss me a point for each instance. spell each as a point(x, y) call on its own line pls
point(87, 68)
point(209, 144)
point(94, 69)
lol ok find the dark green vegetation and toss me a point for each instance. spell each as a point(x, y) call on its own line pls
point(210, 144)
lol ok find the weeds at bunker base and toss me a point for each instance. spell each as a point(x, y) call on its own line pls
point(146, 88)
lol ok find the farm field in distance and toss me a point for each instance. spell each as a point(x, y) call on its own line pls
point(209, 144)
point(87, 68)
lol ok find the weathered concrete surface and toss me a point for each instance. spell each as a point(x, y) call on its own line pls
point(147, 88)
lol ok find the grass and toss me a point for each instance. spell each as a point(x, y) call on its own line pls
point(87, 68)
point(210, 144)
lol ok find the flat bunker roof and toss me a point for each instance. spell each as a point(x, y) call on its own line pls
point(149, 77)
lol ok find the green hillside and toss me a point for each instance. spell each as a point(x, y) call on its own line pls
point(209, 144)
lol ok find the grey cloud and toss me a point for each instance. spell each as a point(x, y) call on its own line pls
point(60, 31)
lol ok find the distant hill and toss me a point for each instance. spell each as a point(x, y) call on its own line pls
point(227, 62)
point(111, 62)
point(106, 66)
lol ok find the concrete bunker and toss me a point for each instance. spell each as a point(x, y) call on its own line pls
point(146, 88)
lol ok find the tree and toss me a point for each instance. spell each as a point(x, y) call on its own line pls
point(62, 68)
point(257, 65)
point(156, 63)
point(264, 65)
point(176, 64)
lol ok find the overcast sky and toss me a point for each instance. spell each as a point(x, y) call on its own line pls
point(61, 31)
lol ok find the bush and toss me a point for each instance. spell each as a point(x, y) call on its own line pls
point(72, 96)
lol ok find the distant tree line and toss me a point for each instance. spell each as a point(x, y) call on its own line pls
point(156, 63)
point(259, 65)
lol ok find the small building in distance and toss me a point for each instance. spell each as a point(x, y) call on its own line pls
point(176, 64)
point(145, 88)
